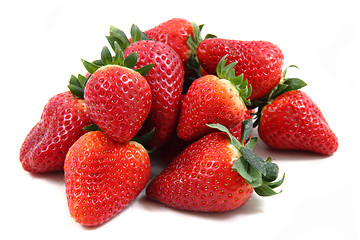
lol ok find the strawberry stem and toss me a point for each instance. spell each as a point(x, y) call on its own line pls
point(285, 85)
point(228, 72)
point(258, 173)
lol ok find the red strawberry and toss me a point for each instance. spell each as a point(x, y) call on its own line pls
point(213, 99)
point(205, 176)
point(102, 177)
point(174, 33)
point(165, 78)
point(61, 124)
point(293, 121)
point(118, 98)
point(261, 62)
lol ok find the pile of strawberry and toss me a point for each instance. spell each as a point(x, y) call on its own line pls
point(195, 101)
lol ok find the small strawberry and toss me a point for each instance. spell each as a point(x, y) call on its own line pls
point(293, 121)
point(61, 124)
point(289, 119)
point(213, 99)
point(165, 79)
point(261, 62)
point(118, 98)
point(174, 33)
point(102, 177)
point(214, 174)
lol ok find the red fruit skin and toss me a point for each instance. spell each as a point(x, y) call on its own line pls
point(294, 122)
point(201, 178)
point(174, 33)
point(165, 79)
point(261, 62)
point(102, 177)
point(209, 100)
point(118, 100)
point(61, 124)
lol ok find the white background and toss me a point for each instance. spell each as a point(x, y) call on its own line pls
point(41, 46)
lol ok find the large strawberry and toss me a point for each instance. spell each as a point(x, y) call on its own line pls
point(261, 62)
point(60, 125)
point(213, 99)
point(118, 98)
point(292, 121)
point(174, 33)
point(165, 78)
point(102, 177)
point(214, 174)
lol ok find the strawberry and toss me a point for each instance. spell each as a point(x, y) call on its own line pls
point(214, 174)
point(174, 33)
point(102, 177)
point(118, 98)
point(261, 62)
point(61, 124)
point(165, 79)
point(213, 99)
point(293, 121)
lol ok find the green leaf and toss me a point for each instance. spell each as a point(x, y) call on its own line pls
point(294, 84)
point(265, 191)
point(119, 56)
point(254, 160)
point(98, 62)
point(130, 60)
point(82, 80)
point(74, 81)
point(92, 127)
point(250, 174)
point(221, 65)
point(210, 36)
point(286, 69)
point(76, 86)
point(246, 129)
point(144, 70)
point(135, 33)
point(106, 57)
point(120, 37)
point(144, 138)
point(276, 184)
point(251, 143)
point(222, 128)
point(90, 67)
point(76, 91)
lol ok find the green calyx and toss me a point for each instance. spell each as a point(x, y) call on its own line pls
point(107, 59)
point(118, 36)
point(77, 85)
point(228, 72)
point(258, 173)
point(285, 85)
point(118, 42)
point(193, 42)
